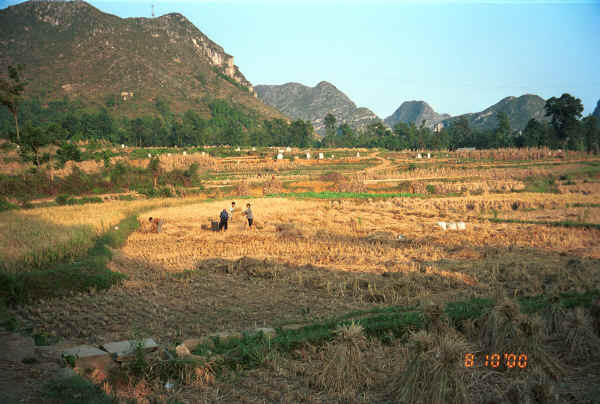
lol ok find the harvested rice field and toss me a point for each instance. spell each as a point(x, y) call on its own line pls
point(474, 288)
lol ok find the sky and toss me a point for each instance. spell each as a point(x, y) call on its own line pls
point(458, 56)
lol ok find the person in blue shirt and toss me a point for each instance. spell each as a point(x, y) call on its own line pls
point(223, 219)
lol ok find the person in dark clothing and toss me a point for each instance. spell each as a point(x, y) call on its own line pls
point(223, 219)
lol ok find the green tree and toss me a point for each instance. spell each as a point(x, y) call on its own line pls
point(155, 168)
point(67, 152)
point(30, 144)
point(565, 112)
point(11, 92)
point(502, 132)
point(330, 124)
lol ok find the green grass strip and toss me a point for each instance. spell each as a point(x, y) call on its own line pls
point(82, 274)
point(548, 223)
point(344, 195)
point(384, 323)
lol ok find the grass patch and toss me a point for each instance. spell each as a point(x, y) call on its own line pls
point(583, 205)
point(547, 223)
point(541, 185)
point(385, 324)
point(345, 195)
point(83, 274)
point(75, 390)
point(5, 205)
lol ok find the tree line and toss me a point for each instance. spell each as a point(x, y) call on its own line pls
point(63, 121)
point(564, 129)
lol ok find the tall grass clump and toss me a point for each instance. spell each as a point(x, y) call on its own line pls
point(344, 369)
point(434, 371)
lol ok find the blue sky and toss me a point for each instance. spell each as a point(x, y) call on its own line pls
point(459, 56)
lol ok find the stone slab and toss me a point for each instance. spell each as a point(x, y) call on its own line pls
point(121, 349)
point(89, 357)
point(84, 351)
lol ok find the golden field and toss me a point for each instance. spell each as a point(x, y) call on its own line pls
point(309, 259)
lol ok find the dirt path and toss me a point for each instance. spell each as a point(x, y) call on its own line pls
point(385, 164)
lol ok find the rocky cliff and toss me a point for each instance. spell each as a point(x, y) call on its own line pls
point(314, 103)
point(519, 110)
point(74, 49)
point(415, 112)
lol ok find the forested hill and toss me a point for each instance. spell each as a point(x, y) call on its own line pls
point(73, 49)
point(597, 111)
point(314, 103)
point(518, 109)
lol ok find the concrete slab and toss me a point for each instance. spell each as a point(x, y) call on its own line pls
point(83, 351)
point(122, 349)
point(88, 357)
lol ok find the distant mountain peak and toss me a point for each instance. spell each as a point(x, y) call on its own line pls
point(314, 103)
point(518, 109)
point(415, 112)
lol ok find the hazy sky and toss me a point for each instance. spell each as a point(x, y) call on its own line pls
point(459, 56)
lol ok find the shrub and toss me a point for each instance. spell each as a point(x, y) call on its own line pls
point(5, 205)
point(62, 199)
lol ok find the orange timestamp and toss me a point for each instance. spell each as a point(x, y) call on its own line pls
point(496, 360)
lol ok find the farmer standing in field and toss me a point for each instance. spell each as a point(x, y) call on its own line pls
point(223, 222)
point(249, 215)
point(156, 224)
point(231, 210)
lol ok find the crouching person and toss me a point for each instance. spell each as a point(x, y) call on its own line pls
point(156, 224)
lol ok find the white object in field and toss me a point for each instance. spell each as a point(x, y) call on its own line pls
point(419, 156)
point(169, 386)
point(184, 152)
point(288, 148)
point(169, 154)
point(149, 155)
point(296, 157)
point(279, 156)
point(357, 154)
point(254, 149)
point(203, 153)
point(428, 155)
point(320, 156)
point(237, 149)
point(122, 146)
point(400, 237)
point(281, 151)
point(461, 226)
point(116, 227)
point(332, 156)
point(308, 156)
point(442, 225)
point(452, 226)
